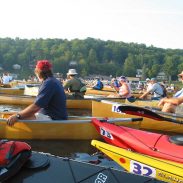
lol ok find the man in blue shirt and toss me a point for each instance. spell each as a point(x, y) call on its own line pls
point(50, 103)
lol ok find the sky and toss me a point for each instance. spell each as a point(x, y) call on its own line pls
point(151, 22)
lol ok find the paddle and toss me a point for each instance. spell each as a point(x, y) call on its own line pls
point(110, 120)
point(134, 110)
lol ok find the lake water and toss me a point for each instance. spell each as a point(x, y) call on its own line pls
point(10, 108)
point(58, 147)
point(62, 147)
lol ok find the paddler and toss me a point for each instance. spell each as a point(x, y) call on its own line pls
point(50, 103)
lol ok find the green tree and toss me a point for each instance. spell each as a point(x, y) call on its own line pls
point(129, 68)
point(170, 67)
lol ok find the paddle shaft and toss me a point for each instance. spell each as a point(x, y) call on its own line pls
point(110, 120)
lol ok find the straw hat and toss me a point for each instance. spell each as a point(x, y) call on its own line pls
point(72, 72)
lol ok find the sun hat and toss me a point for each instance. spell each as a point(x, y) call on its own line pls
point(43, 65)
point(72, 72)
point(147, 79)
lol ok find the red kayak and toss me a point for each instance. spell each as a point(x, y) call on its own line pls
point(152, 144)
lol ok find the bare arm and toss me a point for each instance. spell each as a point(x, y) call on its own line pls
point(145, 94)
point(28, 112)
point(174, 101)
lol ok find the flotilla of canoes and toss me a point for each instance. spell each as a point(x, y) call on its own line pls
point(128, 127)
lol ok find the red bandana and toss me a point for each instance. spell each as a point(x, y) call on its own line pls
point(43, 65)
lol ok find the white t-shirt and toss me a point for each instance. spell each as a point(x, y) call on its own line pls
point(156, 89)
point(6, 79)
point(149, 86)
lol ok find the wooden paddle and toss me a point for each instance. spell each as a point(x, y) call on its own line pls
point(109, 120)
point(139, 111)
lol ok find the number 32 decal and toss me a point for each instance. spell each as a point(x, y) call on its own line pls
point(142, 169)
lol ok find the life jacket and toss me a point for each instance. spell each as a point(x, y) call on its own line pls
point(13, 155)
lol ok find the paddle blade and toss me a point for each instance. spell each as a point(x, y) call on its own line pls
point(132, 99)
point(139, 111)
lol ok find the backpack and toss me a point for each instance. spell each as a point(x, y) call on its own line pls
point(13, 155)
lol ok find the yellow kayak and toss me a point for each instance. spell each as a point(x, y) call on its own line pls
point(141, 164)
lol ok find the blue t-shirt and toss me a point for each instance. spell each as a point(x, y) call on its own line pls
point(99, 85)
point(51, 99)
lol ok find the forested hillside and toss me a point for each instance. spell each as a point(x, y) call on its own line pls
point(93, 56)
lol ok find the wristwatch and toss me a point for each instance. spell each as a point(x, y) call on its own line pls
point(18, 116)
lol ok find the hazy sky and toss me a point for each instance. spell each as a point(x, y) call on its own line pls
point(152, 22)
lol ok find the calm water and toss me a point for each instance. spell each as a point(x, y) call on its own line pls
point(58, 147)
point(10, 108)
point(62, 147)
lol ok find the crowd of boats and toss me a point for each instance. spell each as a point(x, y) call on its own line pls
point(139, 137)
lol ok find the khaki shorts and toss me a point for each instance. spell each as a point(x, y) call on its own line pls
point(40, 116)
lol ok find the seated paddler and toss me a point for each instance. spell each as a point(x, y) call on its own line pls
point(124, 91)
point(50, 103)
point(155, 88)
point(74, 87)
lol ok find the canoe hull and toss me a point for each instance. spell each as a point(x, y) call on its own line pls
point(101, 109)
point(71, 103)
point(12, 91)
point(71, 129)
point(30, 131)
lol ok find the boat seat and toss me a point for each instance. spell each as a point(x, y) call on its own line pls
point(176, 139)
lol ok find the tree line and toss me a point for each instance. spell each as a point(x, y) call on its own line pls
point(90, 56)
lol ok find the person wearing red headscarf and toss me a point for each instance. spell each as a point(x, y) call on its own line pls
point(50, 103)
